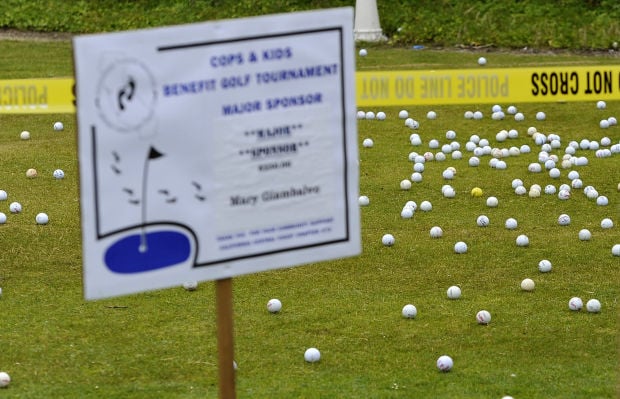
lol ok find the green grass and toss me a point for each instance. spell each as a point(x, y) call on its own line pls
point(162, 343)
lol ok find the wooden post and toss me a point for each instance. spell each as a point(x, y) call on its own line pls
point(225, 345)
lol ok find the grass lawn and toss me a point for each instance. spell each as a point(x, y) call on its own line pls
point(162, 343)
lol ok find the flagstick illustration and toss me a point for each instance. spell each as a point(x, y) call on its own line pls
point(153, 154)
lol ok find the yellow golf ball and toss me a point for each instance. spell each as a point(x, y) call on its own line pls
point(476, 192)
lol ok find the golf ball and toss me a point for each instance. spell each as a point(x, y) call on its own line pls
point(541, 116)
point(544, 266)
point(363, 52)
point(406, 213)
point(368, 143)
point(274, 305)
point(522, 241)
point(363, 200)
point(575, 303)
point(511, 223)
point(482, 61)
point(445, 363)
point(615, 250)
point(476, 192)
point(31, 173)
point(483, 317)
point(59, 174)
point(388, 240)
point(482, 221)
point(593, 306)
point(436, 232)
point(528, 284)
point(312, 355)
point(58, 126)
point(426, 206)
point(454, 292)
point(370, 115)
point(190, 285)
point(563, 220)
point(403, 114)
point(2, 218)
point(460, 247)
point(15, 207)
point(585, 235)
point(42, 218)
point(3, 195)
point(405, 184)
point(409, 311)
point(25, 135)
point(381, 116)
point(5, 379)
point(601, 104)
point(607, 223)
point(492, 202)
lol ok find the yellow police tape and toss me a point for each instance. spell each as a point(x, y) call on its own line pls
point(389, 88)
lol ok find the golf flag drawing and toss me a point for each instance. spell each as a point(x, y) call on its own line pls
point(216, 149)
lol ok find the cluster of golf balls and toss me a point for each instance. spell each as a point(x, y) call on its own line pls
point(544, 146)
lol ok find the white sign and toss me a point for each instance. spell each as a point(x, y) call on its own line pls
point(216, 149)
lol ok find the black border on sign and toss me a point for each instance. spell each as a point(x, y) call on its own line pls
point(182, 46)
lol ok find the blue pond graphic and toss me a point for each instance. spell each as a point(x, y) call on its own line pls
point(162, 249)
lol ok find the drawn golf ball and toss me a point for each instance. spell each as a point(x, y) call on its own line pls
point(492, 202)
point(436, 232)
point(460, 247)
point(482, 221)
point(593, 306)
point(363, 200)
point(58, 126)
point(42, 218)
point(15, 207)
point(312, 355)
point(5, 379)
point(607, 223)
point(454, 292)
point(544, 266)
point(563, 220)
point(575, 304)
point(522, 241)
point(368, 143)
point(409, 311)
point(190, 285)
point(483, 317)
point(528, 284)
point(31, 173)
point(445, 363)
point(388, 240)
point(585, 235)
point(363, 52)
point(25, 135)
point(59, 174)
point(274, 305)
point(3, 195)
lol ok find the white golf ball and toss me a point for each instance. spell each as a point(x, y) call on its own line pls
point(483, 317)
point(361, 115)
point(541, 116)
point(431, 115)
point(544, 266)
point(426, 206)
point(4, 195)
point(363, 200)
point(406, 213)
point(585, 235)
point(25, 135)
point(405, 184)
point(460, 247)
point(403, 114)
point(388, 240)
point(564, 194)
point(563, 220)
point(528, 284)
point(274, 305)
point(436, 232)
point(42, 218)
point(593, 306)
point(15, 207)
point(601, 104)
point(454, 292)
point(416, 177)
point(482, 61)
point(615, 250)
point(478, 115)
point(482, 221)
point(2, 218)
point(368, 143)
point(59, 174)
point(519, 117)
point(445, 363)
point(603, 124)
point(312, 355)
point(58, 126)
point(511, 223)
point(190, 285)
point(492, 202)
point(363, 52)
point(575, 303)
point(370, 115)
point(522, 241)
point(409, 311)
point(602, 200)
point(607, 223)
point(5, 379)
